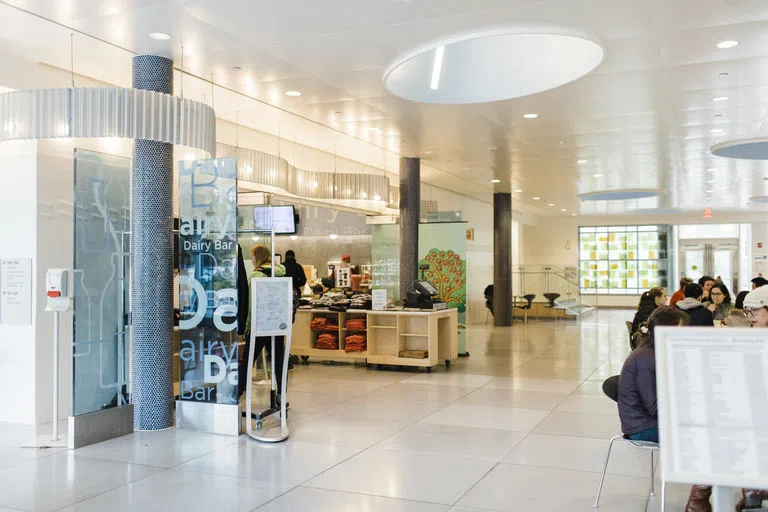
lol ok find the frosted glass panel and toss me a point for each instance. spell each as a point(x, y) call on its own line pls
point(101, 289)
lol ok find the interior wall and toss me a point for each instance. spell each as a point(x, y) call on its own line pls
point(479, 217)
point(18, 209)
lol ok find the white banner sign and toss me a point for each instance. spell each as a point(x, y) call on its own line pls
point(379, 299)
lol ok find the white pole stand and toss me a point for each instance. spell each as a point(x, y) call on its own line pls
point(275, 434)
point(55, 440)
point(723, 499)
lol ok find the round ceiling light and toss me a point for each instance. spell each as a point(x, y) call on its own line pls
point(747, 149)
point(493, 64)
point(160, 36)
point(293, 94)
point(619, 194)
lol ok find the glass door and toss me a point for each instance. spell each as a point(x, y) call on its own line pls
point(718, 259)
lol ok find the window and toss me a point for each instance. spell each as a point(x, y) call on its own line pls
point(622, 259)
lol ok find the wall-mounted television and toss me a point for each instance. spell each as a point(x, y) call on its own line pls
point(280, 218)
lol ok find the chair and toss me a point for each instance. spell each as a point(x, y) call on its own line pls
point(552, 297)
point(527, 307)
point(609, 388)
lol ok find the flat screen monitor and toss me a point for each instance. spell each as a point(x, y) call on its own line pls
point(426, 288)
point(281, 218)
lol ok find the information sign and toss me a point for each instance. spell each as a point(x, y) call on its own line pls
point(16, 291)
point(271, 306)
point(712, 387)
point(379, 299)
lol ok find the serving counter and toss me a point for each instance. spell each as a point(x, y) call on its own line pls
point(403, 337)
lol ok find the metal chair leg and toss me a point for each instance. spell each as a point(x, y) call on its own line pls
point(605, 468)
point(653, 475)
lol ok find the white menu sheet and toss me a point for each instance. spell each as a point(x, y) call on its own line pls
point(271, 306)
point(713, 405)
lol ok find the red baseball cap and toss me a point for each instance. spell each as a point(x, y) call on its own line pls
point(346, 257)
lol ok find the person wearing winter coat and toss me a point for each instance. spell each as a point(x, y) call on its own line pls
point(693, 307)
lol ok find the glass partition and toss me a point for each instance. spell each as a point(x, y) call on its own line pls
point(101, 281)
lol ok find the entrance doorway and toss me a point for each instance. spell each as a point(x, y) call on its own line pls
point(710, 258)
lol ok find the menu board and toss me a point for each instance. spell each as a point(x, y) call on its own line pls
point(622, 259)
point(271, 306)
point(713, 405)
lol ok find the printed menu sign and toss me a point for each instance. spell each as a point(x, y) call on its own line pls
point(271, 306)
point(713, 405)
point(16, 291)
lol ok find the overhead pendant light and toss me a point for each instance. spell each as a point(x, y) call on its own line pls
point(729, 43)
point(437, 68)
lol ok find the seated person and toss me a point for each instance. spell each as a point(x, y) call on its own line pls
point(649, 301)
point(720, 301)
point(488, 292)
point(692, 306)
point(637, 383)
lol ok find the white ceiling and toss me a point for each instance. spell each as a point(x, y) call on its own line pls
point(642, 120)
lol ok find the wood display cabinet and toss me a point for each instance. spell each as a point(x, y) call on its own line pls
point(394, 337)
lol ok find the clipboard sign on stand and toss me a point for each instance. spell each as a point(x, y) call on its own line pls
point(712, 389)
point(271, 315)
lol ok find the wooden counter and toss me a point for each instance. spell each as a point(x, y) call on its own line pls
point(388, 333)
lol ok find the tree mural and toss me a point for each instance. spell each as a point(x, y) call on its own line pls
point(448, 273)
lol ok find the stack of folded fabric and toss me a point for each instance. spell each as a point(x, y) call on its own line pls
point(360, 301)
point(322, 323)
point(355, 324)
point(327, 341)
point(355, 343)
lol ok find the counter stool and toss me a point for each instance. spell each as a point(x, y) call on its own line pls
point(608, 389)
point(527, 307)
point(552, 297)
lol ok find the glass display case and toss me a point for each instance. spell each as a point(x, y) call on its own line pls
point(622, 259)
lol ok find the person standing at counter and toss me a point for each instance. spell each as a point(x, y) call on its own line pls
point(296, 272)
point(262, 267)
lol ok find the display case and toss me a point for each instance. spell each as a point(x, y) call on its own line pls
point(622, 259)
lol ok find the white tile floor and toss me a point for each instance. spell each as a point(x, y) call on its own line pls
point(520, 425)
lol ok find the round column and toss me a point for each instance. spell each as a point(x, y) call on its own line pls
point(410, 214)
point(502, 259)
point(152, 262)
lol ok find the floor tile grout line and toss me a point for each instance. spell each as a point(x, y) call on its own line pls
point(379, 496)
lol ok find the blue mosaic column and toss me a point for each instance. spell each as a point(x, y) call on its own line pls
point(152, 262)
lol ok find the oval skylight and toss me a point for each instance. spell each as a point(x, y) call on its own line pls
point(619, 195)
point(749, 149)
point(493, 64)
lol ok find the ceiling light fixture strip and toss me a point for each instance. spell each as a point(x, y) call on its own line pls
point(273, 171)
point(107, 112)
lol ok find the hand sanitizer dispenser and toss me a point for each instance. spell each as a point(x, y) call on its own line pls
point(56, 280)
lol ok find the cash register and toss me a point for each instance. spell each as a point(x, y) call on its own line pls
point(424, 297)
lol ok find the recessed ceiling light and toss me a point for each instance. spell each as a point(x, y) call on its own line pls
point(427, 152)
point(722, 75)
point(580, 162)
point(437, 67)
point(716, 130)
point(597, 175)
point(727, 44)
point(293, 94)
point(536, 198)
point(720, 98)
point(495, 181)
point(333, 236)
point(561, 142)
point(563, 209)
point(518, 190)
point(294, 237)
point(160, 36)
point(711, 169)
point(530, 116)
point(550, 204)
point(573, 215)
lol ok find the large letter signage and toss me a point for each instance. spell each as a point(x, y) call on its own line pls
point(208, 280)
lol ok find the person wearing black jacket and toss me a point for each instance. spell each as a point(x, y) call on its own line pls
point(699, 314)
point(649, 301)
point(294, 271)
point(243, 300)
